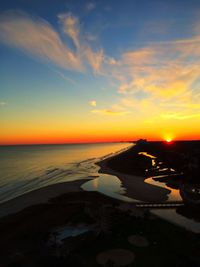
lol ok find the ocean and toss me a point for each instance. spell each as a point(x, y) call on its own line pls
point(28, 167)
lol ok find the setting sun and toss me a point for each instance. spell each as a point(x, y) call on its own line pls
point(168, 138)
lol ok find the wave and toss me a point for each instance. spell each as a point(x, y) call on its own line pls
point(38, 178)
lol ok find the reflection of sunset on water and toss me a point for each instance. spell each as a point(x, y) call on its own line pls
point(174, 194)
point(95, 183)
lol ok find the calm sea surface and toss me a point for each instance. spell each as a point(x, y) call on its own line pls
point(26, 168)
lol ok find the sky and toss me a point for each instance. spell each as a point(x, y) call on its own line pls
point(95, 71)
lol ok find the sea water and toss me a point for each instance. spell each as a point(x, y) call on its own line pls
point(26, 168)
point(29, 167)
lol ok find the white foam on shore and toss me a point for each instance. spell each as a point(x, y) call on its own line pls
point(27, 168)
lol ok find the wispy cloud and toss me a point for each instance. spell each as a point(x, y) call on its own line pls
point(139, 57)
point(64, 77)
point(38, 38)
point(2, 103)
point(93, 103)
point(70, 26)
point(95, 59)
point(90, 37)
point(180, 116)
point(161, 76)
point(90, 6)
point(114, 110)
point(110, 112)
point(150, 80)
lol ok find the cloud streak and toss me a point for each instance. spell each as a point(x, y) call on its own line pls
point(161, 76)
point(38, 38)
point(90, 6)
point(180, 116)
point(70, 26)
point(2, 104)
point(110, 112)
point(93, 103)
point(150, 80)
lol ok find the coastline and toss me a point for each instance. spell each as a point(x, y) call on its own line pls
point(40, 196)
point(35, 217)
point(135, 185)
point(122, 164)
point(45, 194)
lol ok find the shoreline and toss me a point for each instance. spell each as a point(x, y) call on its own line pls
point(122, 164)
point(135, 185)
point(39, 196)
point(45, 194)
point(28, 233)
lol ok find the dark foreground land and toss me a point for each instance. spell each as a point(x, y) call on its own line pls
point(183, 156)
point(24, 236)
point(29, 237)
point(177, 164)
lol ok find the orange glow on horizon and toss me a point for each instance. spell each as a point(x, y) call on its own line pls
point(33, 140)
point(91, 135)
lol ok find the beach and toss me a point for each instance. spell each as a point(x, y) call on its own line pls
point(174, 165)
point(127, 166)
point(27, 221)
point(134, 185)
point(39, 196)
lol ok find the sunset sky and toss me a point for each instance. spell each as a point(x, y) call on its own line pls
point(104, 70)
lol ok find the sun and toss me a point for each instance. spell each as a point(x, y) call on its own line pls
point(168, 138)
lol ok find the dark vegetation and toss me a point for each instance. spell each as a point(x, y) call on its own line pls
point(23, 235)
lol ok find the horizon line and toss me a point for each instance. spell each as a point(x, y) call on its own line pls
point(98, 142)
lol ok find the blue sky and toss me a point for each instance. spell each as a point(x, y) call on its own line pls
point(105, 62)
